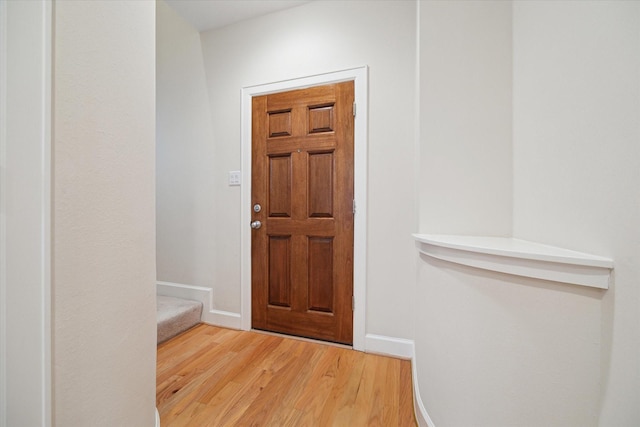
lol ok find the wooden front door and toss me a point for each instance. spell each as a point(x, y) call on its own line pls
point(302, 194)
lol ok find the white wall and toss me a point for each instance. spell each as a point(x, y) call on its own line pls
point(494, 349)
point(25, 356)
point(318, 37)
point(185, 164)
point(478, 358)
point(528, 126)
point(103, 218)
point(465, 118)
point(577, 166)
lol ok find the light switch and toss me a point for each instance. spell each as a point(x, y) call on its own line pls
point(234, 178)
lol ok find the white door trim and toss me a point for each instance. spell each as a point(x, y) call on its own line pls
point(3, 191)
point(33, 153)
point(360, 78)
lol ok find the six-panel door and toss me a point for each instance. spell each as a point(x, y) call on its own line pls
point(302, 176)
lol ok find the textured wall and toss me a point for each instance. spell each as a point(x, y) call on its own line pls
point(186, 205)
point(318, 37)
point(465, 118)
point(103, 219)
point(577, 165)
point(494, 349)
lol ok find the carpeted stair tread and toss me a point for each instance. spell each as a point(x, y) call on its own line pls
point(176, 315)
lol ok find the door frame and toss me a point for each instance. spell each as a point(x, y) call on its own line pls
point(360, 78)
point(31, 149)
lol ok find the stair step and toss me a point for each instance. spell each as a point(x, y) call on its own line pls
point(176, 315)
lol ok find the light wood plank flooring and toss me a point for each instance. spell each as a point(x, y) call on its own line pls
point(212, 376)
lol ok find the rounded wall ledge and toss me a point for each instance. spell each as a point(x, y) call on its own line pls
point(519, 257)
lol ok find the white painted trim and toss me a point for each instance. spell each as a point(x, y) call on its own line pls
point(389, 346)
point(3, 192)
point(360, 77)
point(157, 418)
point(423, 418)
point(404, 349)
point(178, 290)
point(224, 319)
point(211, 316)
point(41, 296)
point(47, 215)
point(520, 258)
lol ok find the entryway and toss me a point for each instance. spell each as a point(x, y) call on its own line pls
point(357, 205)
point(303, 209)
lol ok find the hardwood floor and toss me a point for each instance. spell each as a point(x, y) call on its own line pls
point(211, 376)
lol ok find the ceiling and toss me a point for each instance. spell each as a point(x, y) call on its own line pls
point(210, 14)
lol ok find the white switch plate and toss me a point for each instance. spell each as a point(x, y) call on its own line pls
point(234, 178)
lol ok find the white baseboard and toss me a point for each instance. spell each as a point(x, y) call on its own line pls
point(197, 293)
point(404, 349)
point(211, 316)
point(389, 346)
point(225, 319)
point(423, 418)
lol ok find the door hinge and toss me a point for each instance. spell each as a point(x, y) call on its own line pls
point(354, 206)
point(353, 303)
point(354, 109)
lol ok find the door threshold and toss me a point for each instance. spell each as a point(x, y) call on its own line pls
point(295, 337)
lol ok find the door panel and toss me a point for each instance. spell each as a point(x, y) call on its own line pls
point(320, 273)
point(280, 271)
point(302, 175)
point(280, 186)
point(320, 179)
